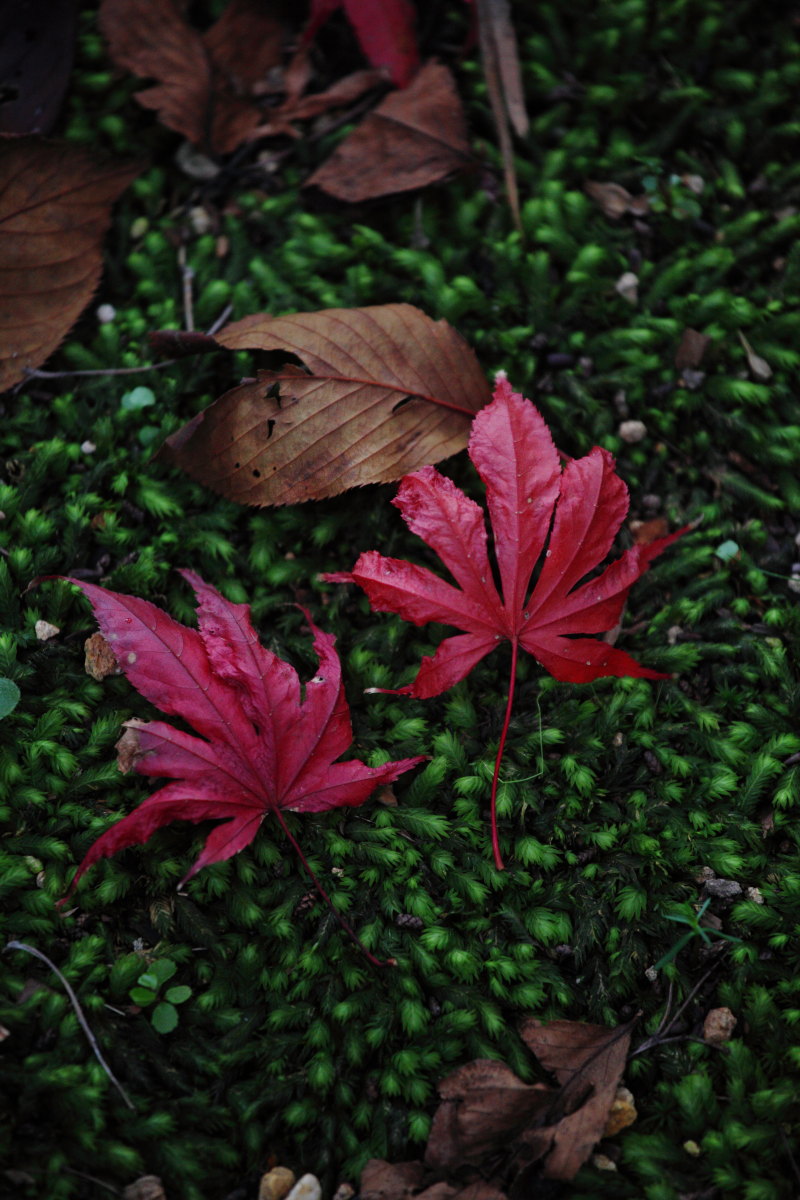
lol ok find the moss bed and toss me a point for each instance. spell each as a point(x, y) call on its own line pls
point(616, 795)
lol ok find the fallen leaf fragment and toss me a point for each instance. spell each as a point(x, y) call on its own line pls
point(381, 1180)
point(262, 746)
point(584, 1059)
point(501, 71)
point(719, 1025)
point(759, 367)
point(385, 32)
point(37, 45)
point(616, 200)
point(485, 1106)
point(55, 207)
point(515, 457)
point(691, 349)
point(100, 661)
point(386, 389)
point(204, 80)
point(414, 138)
point(147, 1187)
point(646, 532)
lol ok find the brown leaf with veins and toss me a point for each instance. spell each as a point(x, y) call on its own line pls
point(55, 207)
point(386, 391)
point(414, 137)
point(584, 1058)
point(484, 1108)
point(205, 81)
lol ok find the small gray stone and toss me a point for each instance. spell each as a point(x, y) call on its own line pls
point(308, 1187)
point(723, 889)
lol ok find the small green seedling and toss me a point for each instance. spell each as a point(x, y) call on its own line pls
point(164, 1017)
point(9, 696)
point(692, 919)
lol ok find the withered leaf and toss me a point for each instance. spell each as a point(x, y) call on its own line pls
point(485, 1106)
point(37, 40)
point(615, 200)
point(55, 206)
point(386, 390)
point(584, 1058)
point(500, 61)
point(204, 81)
point(692, 349)
point(413, 138)
point(381, 1180)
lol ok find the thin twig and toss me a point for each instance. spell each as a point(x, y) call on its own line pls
point(656, 1039)
point(187, 278)
point(220, 321)
point(35, 373)
point(93, 1179)
point(78, 1013)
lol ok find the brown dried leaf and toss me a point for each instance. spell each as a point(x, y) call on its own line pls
point(389, 390)
point(37, 40)
point(55, 207)
point(294, 108)
point(616, 200)
point(645, 532)
point(484, 1108)
point(501, 71)
point(381, 1180)
point(691, 350)
point(583, 1058)
point(100, 658)
point(203, 81)
point(415, 137)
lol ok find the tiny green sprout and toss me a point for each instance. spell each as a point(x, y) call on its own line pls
point(692, 919)
point(164, 1017)
point(140, 397)
point(727, 550)
point(9, 696)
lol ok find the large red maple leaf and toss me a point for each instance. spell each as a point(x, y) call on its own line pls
point(263, 747)
point(528, 496)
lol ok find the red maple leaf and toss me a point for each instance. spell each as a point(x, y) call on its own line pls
point(262, 746)
point(528, 496)
point(385, 31)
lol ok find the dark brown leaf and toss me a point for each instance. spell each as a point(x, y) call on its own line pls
point(691, 350)
point(582, 1058)
point(387, 390)
point(55, 207)
point(37, 42)
point(382, 1180)
point(484, 1108)
point(413, 138)
point(500, 60)
point(204, 82)
point(616, 200)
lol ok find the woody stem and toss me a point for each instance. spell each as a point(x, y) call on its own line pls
point(376, 962)
point(498, 861)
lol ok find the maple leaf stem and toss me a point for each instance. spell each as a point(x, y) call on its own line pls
point(498, 860)
point(376, 962)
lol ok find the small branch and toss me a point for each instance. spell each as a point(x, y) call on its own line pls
point(376, 962)
point(31, 373)
point(73, 999)
point(498, 860)
point(187, 278)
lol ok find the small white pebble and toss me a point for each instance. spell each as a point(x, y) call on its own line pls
point(200, 219)
point(106, 313)
point(45, 631)
point(628, 287)
point(754, 894)
point(307, 1188)
point(632, 431)
point(88, 447)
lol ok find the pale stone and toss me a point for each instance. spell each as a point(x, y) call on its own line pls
point(147, 1187)
point(718, 1026)
point(632, 431)
point(276, 1183)
point(628, 287)
point(105, 313)
point(308, 1187)
point(45, 631)
point(603, 1162)
point(622, 1112)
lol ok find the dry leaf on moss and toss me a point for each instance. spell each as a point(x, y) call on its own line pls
point(412, 139)
point(386, 389)
point(205, 81)
point(55, 207)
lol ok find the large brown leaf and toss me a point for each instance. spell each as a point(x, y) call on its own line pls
point(204, 81)
point(588, 1061)
point(484, 1108)
point(412, 139)
point(386, 391)
point(55, 206)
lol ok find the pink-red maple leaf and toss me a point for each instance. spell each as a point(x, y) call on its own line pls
point(385, 31)
point(263, 747)
point(528, 497)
